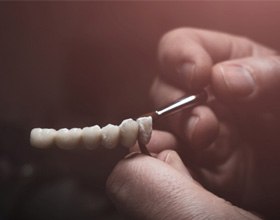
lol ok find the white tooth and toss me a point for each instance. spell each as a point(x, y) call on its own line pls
point(91, 137)
point(68, 139)
point(42, 138)
point(75, 136)
point(128, 132)
point(145, 129)
point(110, 136)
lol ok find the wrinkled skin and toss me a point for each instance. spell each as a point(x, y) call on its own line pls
point(229, 145)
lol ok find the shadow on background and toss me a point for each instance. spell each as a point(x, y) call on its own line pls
point(78, 64)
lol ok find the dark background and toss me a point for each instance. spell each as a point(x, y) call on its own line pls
point(73, 64)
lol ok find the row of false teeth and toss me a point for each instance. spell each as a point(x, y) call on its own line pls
point(110, 136)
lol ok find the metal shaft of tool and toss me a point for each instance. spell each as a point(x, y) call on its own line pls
point(183, 103)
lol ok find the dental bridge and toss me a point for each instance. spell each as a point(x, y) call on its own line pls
point(110, 136)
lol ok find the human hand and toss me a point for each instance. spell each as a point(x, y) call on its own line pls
point(144, 187)
point(231, 144)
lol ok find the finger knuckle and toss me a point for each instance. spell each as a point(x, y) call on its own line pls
point(173, 34)
point(174, 38)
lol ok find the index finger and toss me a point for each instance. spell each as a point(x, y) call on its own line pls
point(186, 55)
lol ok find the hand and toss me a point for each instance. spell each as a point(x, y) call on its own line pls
point(230, 145)
point(144, 187)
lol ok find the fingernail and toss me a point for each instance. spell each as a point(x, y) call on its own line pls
point(168, 156)
point(132, 155)
point(238, 79)
point(186, 72)
point(191, 124)
point(173, 159)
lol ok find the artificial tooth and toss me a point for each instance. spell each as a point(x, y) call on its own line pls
point(91, 137)
point(42, 138)
point(68, 139)
point(145, 129)
point(110, 136)
point(128, 132)
point(75, 136)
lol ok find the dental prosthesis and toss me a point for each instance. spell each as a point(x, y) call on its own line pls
point(110, 136)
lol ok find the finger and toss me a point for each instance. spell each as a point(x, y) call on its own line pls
point(211, 141)
point(251, 80)
point(163, 93)
point(143, 187)
point(160, 141)
point(206, 138)
point(201, 128)
point(172, 158)
point(197, 127)
point(220, 150)
point(186, 55)
point(235, 178)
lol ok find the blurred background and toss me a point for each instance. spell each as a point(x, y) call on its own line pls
point(74, 64)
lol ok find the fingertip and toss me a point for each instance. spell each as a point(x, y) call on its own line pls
point(131, 155)
point(183, 60)
point(218, 82)
point(202, 127)
point(195, 75)
point(173, 159)
point(233, 81)
point(160, 141)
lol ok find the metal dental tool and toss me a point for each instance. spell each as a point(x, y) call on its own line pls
point(181, 104)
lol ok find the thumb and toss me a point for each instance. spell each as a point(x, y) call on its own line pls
point(250, 80)
point(143, 187)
